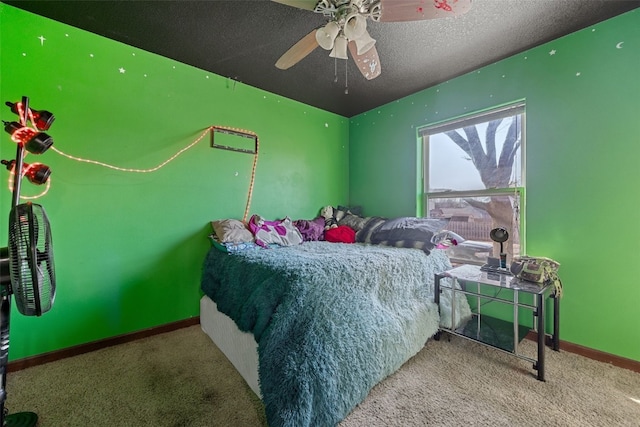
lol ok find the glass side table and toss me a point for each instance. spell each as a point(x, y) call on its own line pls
point(494, 332)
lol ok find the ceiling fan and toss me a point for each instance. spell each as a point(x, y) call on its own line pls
point(347, 27)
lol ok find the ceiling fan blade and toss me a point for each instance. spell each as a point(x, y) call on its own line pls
point(298, 51)
point(368, 63)
point(300, 4)
point(418, 10)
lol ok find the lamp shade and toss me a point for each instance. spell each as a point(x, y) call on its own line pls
point(42, 119)
point(34, 142)
point(355, 25)
point(340, 48)
point(36, 173)
point(326, 35)
point(364, 43)
point(499, 234)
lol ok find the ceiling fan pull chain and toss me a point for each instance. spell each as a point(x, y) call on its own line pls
point(335, 70)
point(346, 79)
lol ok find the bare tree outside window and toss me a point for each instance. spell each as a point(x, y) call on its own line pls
point(473, 178)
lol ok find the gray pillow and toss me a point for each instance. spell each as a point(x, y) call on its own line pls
point(355, 222)
point(426, 225)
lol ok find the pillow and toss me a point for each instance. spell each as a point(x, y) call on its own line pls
point(341, 211)
point(372, 225)
point(354, 221)
point(279, 232)
point(356, 210)
point(310, 229)
point(425, 225)
point(231, 231)
point(408, 232)
point(340, 234)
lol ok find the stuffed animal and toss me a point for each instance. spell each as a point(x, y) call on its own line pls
point(329, 220)
point(443, 240)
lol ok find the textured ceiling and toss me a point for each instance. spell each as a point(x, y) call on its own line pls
point(243, 39)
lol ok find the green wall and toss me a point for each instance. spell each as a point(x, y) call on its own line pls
point(582, 148)
point(129, 246)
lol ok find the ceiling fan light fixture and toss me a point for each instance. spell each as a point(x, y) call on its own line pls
point(346, 27)
point(326, 35)
point(355, 26)
point(340, 48)
point(364, 43)
point(375, 11)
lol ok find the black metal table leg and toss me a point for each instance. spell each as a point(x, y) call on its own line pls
point(436, 300)
point(556, 322)
point(539, 366)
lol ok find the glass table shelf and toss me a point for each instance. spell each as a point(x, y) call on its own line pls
point(492, 331)
point(504, 335)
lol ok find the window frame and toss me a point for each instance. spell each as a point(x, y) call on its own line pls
point(475, 118)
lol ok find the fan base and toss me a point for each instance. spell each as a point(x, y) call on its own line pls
point(21, 419)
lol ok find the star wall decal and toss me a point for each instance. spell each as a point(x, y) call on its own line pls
point(552, 52)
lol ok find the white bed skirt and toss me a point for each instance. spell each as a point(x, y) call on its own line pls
point(240, 347)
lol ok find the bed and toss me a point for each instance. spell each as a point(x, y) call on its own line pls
point(312, 327)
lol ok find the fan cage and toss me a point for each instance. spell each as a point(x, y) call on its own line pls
point(31, 264)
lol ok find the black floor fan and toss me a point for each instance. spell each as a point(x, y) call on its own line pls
point(26, 269)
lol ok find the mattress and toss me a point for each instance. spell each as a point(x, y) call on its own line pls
point(239, 347)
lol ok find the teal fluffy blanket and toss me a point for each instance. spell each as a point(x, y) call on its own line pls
point(331, 320)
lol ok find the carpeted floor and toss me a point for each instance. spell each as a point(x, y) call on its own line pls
point(181, 379)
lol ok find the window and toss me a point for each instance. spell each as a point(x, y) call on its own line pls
point(473, 177)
